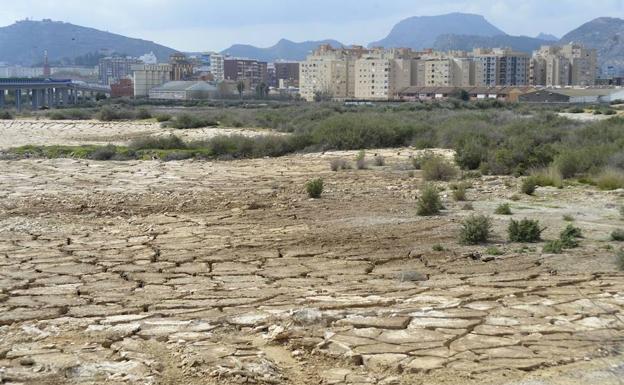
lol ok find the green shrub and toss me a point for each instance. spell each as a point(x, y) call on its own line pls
point(610, 179)
point(420, 159)
point(6, 115)
point(163, 118)
point(568, 164)
point(468, 207)
point(503, 209)
point(437, 168)
point(526, 231)
point(619, 259)
point(170, 142)
point(107, 114)
point(571, 232)
point(314, 188)
point(143, 113)
point(104, 153)
point(610, 112)
point(339, 164)
point(568, 218)
point(360, 160)
point(528, 186)
point(429, 202)
point(379, 161)
point(470, 155)
point(617, 235)
point(553, 247)
point(459, 193)
point(437, 247)
point(185, 121)
point(549, 176)
point(475, 230)
point(493, 250)
point(576, 110)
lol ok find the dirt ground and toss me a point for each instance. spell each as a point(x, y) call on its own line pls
point(195, 272)
point(21, 132)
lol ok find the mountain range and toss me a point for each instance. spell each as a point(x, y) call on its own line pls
point(25, 41)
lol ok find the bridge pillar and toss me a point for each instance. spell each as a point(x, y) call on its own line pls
point(34, 96)
point(65, 96)
point(56, 97)
point(18, 99)
point(1, 98)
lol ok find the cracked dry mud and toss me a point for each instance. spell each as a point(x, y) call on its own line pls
point(225, 272)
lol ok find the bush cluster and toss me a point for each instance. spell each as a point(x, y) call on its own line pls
point(526, 231)
point(314, 188)
point(437, 168)
point(475, 230)
point(429, 202)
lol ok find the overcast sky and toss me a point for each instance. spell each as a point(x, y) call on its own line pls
point(199, 25)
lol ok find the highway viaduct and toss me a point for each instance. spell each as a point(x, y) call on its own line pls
point(46, 92)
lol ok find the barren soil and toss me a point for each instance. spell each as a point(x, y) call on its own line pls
point(192, 272)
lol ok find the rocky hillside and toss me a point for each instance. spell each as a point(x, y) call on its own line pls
point(422, 31)
point(25, 42)
point(606, 34)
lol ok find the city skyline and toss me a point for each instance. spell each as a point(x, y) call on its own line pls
point(193, 25)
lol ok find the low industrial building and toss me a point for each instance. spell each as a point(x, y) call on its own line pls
point(508, 94)
point(184, 90)
point(573, 96)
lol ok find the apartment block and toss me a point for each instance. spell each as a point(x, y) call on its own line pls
point(329, 72)
point(444, 72)
point(381, 74)
point(287, 74)
point(148, 76)
point(501, 67)
point(569, 65)
point(113, 69)
point(251, 72)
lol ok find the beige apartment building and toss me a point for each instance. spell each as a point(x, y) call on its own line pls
point(381, 74)
point(149, 76)
point(569, 65)
point(444, 72)
point(500, 67)
point(329, 72)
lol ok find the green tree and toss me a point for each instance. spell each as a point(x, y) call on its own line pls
point(240, 87)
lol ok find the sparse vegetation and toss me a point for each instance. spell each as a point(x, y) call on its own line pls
point(525, 231)
point(553, 247)
point(379, 161)
point(459, 192)
point(360, 160)
point(339, 164)
point(468, 207)
point(184, 121)
point(493, 250)
point(314, 188)
point(568, 218)
point(528, 186)
point(549, 176)
point(437, 168)
point(475, 230)
point(163, 118)
point(610, 179)
point(617, 235)
point(6, 115)
point(420, 159)
point(619, 259)
point(437, 247)
point(503, 209)
point(429, 202)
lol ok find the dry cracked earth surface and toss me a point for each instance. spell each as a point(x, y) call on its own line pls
point(194, 272)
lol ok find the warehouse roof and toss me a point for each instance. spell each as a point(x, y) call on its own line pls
point(186, 86)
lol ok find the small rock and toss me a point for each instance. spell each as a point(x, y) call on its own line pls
point(27, 361)
point(308, 316)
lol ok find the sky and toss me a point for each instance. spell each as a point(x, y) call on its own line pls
point(214, 25)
